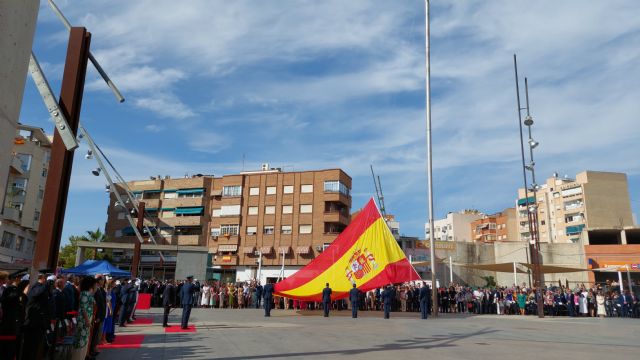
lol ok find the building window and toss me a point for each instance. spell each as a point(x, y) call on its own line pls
point(36, 215)
point(118, 233)
point(271, 190)
point(229, 230)
point(19, 243)
point(268, 230)
point(254, 191)
point(44, 172)
point(253, 210)
point(235, 190)
point(215, 213)
point(287, 189)
point(230, 210)
point(269, 210)
point(306, 188)
point(168, 213)
point(252, 230)
point(286, 229)
point(40, 194)
point(306, 208)
point(190, 195)
point(305, 229)
point(7, 240)
point(287, 209)
point(215, 232)
point(171, 195)
point(336, 186)
point(29, 248)
point(25, 160)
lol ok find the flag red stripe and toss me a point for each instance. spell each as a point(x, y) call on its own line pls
point(345, 241)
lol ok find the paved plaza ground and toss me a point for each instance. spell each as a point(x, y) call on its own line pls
point(246, 334)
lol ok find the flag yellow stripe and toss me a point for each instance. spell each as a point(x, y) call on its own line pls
point(378, 240)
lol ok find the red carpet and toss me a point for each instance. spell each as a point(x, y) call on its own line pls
point(144, 302)
point(142, 321)
point(177, 329)
point(125, 342)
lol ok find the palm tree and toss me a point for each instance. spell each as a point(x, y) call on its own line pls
point(95, 236)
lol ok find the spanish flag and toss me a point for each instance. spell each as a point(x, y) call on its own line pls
point(365, 253)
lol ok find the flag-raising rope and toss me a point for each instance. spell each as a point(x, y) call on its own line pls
point(365, 253)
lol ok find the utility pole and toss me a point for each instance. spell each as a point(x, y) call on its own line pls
point(135, 264)
point(61, 163)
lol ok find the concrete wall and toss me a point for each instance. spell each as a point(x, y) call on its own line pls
point(191, 263)
point(17, 27)
point(607, 199)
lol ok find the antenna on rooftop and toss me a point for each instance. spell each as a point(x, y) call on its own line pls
point(379, 195)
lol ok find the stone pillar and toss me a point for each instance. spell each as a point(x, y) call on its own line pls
point(17, 27)
point(623, 237)
point(79, 255)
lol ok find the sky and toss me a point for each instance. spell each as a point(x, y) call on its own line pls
point(307, 85)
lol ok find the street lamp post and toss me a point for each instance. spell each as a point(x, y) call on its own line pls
point(532, 208)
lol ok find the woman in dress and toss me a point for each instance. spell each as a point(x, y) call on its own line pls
point(204, 301)
point(85, 317)
point(522, 299)
point(213, 294)
point(582, 301)
point(108, 329)
point(232, 295)
point(600, 302)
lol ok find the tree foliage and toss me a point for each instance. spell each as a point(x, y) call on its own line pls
point(67, 255)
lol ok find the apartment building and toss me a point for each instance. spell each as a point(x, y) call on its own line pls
point(566, 207)
point(22, 201)
point(455, 227)
point(501, 226)
point(253, 223)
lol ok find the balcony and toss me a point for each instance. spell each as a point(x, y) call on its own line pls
point(336, 217)
point(180, 221)
point(12, 214)
point(225, 260)
point(16, 166)
point(337, 197)
point(182, 202)
point(331, 228)
point(193, 240)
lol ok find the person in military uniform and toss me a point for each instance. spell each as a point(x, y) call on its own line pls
point(168, 301)
point(354, 297)
point(267, 294)
point(258, 295)
point(186, 294)
point(425, 297)
point(13, 302)
point(39, 312)
point(326, 300)
point(388, 296)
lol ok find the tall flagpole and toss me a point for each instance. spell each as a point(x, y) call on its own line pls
point(434, 292)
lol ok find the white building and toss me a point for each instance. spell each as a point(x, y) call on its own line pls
point(455, 227)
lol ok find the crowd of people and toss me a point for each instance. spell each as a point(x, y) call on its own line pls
point(70, 316)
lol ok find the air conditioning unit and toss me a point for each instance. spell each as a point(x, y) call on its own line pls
point(214, 237)
point(265, 167)
point(257, 261)
point(256, 253)
point(319, 248)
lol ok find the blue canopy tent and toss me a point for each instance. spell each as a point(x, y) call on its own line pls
point(96, 267)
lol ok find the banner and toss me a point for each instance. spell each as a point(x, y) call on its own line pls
point(365, 253)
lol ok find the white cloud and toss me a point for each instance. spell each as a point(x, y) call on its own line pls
point(165, 106)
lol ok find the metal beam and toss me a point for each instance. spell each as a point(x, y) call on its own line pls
point(60, 165)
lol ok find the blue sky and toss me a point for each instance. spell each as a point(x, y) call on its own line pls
point(322, 84)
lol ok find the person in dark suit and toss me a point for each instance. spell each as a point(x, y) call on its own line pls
point(388, 296)
point(354, 297)
point(125, 294)
point(100, 297)
point(71, 297)
point(258, 295)
point(425, 296)
point(267, 294)
point(168, 301)
point(186, 294)
point(38, 318)
point(326, 300)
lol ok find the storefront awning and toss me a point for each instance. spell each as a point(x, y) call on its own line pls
point(499, 267)
point(553, 269)
point(152, 191)
point(523, 201)
point(303, 250)
point(170, 190)
point(227, 248)
point(249, 250)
